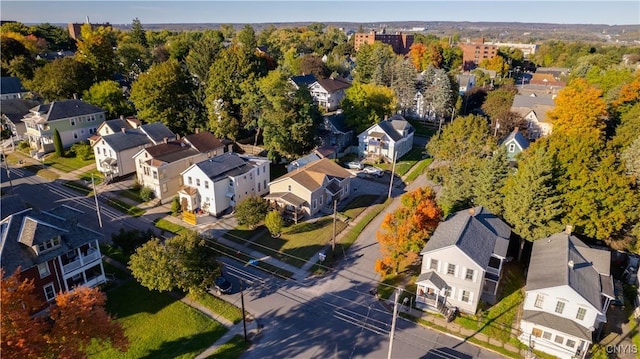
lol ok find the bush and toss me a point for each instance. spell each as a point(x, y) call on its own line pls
point(82, 150)
point(129, 240)
point(251, 211)
point(24, 146)
point(146, 194)
point(274, 222)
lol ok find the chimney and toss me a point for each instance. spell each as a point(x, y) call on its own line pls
point(568, 229)
point(515, 129)
point(123, 130)
point(570, 264)
point(472, 211)
point(122, 117)
point(75, 96)
point(177, 136)
point(165, 140)
point(386, 117)
point(197, 130)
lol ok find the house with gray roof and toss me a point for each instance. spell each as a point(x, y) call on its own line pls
point(11, 88)
point(75, 120)
point(515, 143)
point(462, 261)
point(121, 140)
point(336, 135)
point(12, 112)
point(215, 185)
point(302, 80)
point(52, 248)
point(465, 82)
point(568, 291)
point(534, 108)
point(386, 139)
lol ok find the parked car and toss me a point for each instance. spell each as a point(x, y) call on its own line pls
point(355, 165)
point(373, 171)
point(223, 286)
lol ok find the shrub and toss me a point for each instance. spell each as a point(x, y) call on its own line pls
point(146, 194)
point(24, 146)
point(251, 211)
point(129, 240)
point(175, 206)
point(274, 222)
point(82, 150)
point(57, 143)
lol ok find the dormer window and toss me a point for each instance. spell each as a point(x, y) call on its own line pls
point(48, 245)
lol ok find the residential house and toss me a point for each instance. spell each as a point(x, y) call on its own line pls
point(386, 139)
point(462, 261)
point(75, 120)
point(515, 143)
point(215, 185)
point(335, 134)
point(568, 291)
point(159, 167)
point(310, 189)
point(465, 82)
point(534, 108)
point(302, 80)
point(328, 93)
point(51, 248)
point(11, 88)
point(114, 151)
point(12, 112)
point(304, 160)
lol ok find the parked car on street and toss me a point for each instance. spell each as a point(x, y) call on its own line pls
point(355, 165)
point(223, 286)
point(373, 171)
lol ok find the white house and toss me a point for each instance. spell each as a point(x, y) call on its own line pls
point(534, 108)
point(568, 291)
point(218, 183)
point(114, 151)
point(465, 82)
point(462, 261)
point(393, 136)
point(515, 143)
point(328, 93)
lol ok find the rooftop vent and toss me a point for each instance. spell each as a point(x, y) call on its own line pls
point(570, 264)
point(568, 229)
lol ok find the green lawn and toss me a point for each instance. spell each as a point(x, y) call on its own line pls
point(114, 253)
point(219, 306)
point(418, 169)
point(66, 164)
point(157, 325)
point(165, 225)
point(404, 164)
point(422, 129)
point(231, 350)
point(125, 207)
point(98, 177)
point(131, 194)
point(78, 187)
point(359, 204)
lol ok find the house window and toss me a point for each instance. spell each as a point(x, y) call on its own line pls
point(559, 339)
point(43, 268)
point(75, 135)
point(258, 171)
point(258, 186)
point(571, 343)
point(73, 122)
point(49, 292)
point(264, 183)
point(98, 150)
point(448, 292)
point(546, 335)
point(289, 187)
point(469, 274)
point(206, 184)
point(315, 203)
point(230, 183)
point(512, 147)
point(466, 296)
point(155, 174)
point(321, 199)
point(198, 182)
point(539, 301)
point(164, 188)
point(536, 332)
point(189, 180)
point(451, 269)
point(434, 264)
point(581, 313)
point(559, 307)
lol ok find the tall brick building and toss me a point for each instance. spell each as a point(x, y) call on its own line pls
point(401, 43)
point(475, 52)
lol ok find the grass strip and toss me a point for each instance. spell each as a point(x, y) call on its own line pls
point(78, 187)
point(125, 207)
point(219, 306)
point(168, 226)
point(233, 349)
point(418, 169)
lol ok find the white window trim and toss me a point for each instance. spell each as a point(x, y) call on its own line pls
point(44, 288)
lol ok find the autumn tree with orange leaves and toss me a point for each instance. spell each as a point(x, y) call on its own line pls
point(64, 332)
point(404, 232)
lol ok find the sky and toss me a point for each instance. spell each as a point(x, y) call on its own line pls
point(626, 12)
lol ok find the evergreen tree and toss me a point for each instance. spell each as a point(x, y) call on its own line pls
point(138, 35)
point(203, 53)
point(404, 84)
point(57, 143)
point(490, 180)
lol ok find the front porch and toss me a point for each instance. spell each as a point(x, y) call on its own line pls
point(432, 293)
point(290, 206)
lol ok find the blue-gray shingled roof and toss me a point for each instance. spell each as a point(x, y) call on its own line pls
point(529, 101)
point(123, 140)
point(394, 127)
point(562, 259)
point(116, 125)
point(157, 131)
point(57, 110)
point(338, 122)
point(519, 138)
point(221, 166)
point(11, 85)
point(305, 80)
point(37, 226)
point(474, 231)
point(16, 108)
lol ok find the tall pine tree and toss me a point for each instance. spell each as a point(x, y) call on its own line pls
point(490, 180)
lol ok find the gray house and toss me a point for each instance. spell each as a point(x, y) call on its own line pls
point(515, 143)
point(462, 261)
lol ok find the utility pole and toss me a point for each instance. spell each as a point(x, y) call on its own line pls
point(393, 171)
point(495, 131)
point(333, 240)
point(95, 195)
point(244, 320)
point(393, 324)
point(6, 166)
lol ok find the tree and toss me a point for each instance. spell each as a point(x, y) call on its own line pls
point(251, 211)
point(203, 53)
point(497, 106)
point(312, 64)
point(138, 34)
point(629, 127)
point(57, 37)
point(95, 48)
point(367, 104)
point(60, 79)
point(108, 95)
point(165, 94)
point(532, 205)
point(82, 150)
point(75, 319)
point(57, 143)
point(404, 84)
point(274, 223)
point(579, 110)
point(180, 262)
point(134, 59)
point(129, 240)
point(631, 159)
point(490, 180)
point(465, 137)
point(247, 38)
point(404, 232)
point(374, 63)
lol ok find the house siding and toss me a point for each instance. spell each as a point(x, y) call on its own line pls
point(572, 300)
point(296, 188)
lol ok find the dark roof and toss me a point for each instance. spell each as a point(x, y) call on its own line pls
point(338, 122)
point(15, 109)
point(558, 323)
point(288, 197)
point(517, 136)
point(11, 204)
point(11, 85)
point(394, 127)
point(123, 140)
point(221, 166)
point(204, 141)
point(117, 125)
point(66, 108)
point(474, 231)
point(157, 131)
point(31, 226)
point(333, 84)
point(528, 101)
point(305, 80)
point(171, 151)
point(563, 260)
point(432, 277)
